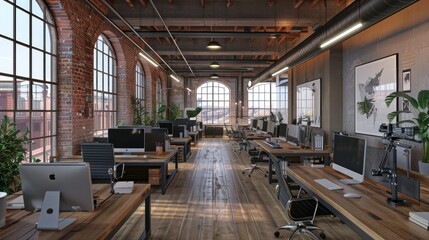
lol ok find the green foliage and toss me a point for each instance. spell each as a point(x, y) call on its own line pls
point(421, 105)
point(12, 152)
point(193, 113)
point(173, 113)
point(366, 107)
point(139, 111)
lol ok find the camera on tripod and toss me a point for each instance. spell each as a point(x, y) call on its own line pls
point(394, 131)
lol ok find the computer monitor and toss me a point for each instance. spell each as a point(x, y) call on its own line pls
point(182, 121)
point(179, 129)
point(349, 157)
point(302, 133)
point(254, 123)
point(154, 138)
point(264, 126)
point(260, 124)
point(127, 140)
point(162, 130)
point(293, 134)
point(282, 130)
point(271, 128)
point(55, 187)
point(147, 129)
point(166, 124)
point(191, 124)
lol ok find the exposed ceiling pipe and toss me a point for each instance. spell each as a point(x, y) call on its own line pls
point(369, 12)
point(171, 36)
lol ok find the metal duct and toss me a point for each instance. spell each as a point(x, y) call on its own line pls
point(368, 12)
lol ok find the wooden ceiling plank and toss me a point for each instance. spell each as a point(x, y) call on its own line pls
point(130, 3)
point(144, 3)
point(314, 3)
point(298, 3)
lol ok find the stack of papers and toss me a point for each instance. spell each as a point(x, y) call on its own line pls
point(124, 187)
point(420, 218)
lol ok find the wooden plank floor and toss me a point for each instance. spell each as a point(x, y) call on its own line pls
point(210, 198)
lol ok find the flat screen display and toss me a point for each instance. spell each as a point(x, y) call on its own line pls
point(167, 125)
point(264, 126)
point(350, 156)
point(127, 139)
point(282, 130)
point(254, 123)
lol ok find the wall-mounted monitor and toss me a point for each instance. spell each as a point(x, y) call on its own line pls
point(350, 157)
point(56, 187)
point(127, 140)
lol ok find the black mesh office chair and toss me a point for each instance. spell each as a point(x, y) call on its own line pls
point(301, 210)
point(101, 158)
point(256, 155)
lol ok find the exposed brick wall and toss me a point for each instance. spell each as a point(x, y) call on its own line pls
point(78, 27)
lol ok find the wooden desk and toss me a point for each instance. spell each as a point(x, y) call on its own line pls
point(154, 160)
point(370, 216)
point(289, 150)
point(102, 223)
point(185, 143)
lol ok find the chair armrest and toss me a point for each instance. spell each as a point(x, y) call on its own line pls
point(115, 169)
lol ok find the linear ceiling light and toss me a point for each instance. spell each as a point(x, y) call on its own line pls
point(214, 65)
point(342, 35)
point(174, 77)
point(213, 45)
point(189, 90)
point(214, 75)
point(279, 71)
point(149, 60)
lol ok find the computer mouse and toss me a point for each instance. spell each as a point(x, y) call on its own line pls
point(351, 195)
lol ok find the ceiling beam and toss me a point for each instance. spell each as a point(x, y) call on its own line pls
point(217, 53)
point(298, 3)
point(194, 34)
point(130, 3)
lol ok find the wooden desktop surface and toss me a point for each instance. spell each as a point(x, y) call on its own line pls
point(370, 216)
point(151, 157)
point(178, 140)
point(290, 150)
point(102, 223)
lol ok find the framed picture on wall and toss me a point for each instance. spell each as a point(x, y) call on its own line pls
point(406, 80)
point(373, 82)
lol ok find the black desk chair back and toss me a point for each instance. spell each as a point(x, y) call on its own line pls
point(101, 158)
point(301, 210)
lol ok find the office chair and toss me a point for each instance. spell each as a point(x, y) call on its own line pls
point(101, 158)
point(301, 210)
point(256, 155)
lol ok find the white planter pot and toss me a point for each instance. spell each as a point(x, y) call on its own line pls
point(424, 168)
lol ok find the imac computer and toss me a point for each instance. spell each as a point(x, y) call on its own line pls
point(127, 140)
point(282, 130)
point(254, 123)
point(271, 128)
point(260, 124)
point(264, 126)
point(293, 134)
point(349, 158)
point(166, 124)
point(55, 187)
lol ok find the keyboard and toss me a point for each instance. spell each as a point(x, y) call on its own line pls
point(327, 184)
point(272, 144)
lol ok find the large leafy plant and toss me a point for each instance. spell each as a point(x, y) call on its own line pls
point(12, 152)
point(421, 105)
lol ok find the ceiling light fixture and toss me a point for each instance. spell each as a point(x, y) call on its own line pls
point(189, 90)
point(214, 76)
point(174, 77)
point(214, 65)
point(149, 60)
point(342, 35)
point(279, 71)
point(213, 45)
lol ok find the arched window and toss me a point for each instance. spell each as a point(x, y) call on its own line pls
point(28, 63)
point(214, 98)
point(265, 98)
point(140, 83)
point(104, 86)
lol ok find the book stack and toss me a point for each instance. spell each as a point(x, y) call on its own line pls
point(420, 218)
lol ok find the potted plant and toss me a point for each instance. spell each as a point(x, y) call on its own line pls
point(421, 105)
point(12, 153)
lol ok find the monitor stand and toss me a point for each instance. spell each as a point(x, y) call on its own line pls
point(49, 215)
point(349, 181)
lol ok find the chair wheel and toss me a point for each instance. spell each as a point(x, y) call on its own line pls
point(276, 234)
point(249, 175)
point(322, 235)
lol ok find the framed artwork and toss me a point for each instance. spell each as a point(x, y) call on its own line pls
point(308, 102)
point(406, 105)
point(406, 80)
point(373, 82)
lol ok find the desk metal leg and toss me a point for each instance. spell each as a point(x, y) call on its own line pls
point(270, 171)
point(147, 231)
point(163, 179)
